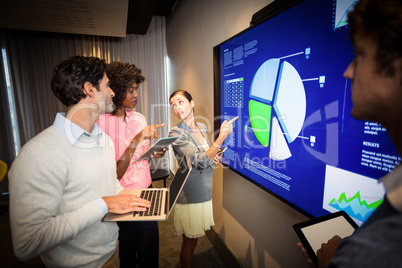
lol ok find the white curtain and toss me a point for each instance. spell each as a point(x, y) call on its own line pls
point(33, 55)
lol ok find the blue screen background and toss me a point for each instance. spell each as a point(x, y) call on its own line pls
point(340, 139)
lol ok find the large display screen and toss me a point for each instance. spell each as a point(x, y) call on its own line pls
point(295, 136)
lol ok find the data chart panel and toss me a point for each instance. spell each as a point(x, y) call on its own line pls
point(295, 136)
point(355, 194)
point(234, 93)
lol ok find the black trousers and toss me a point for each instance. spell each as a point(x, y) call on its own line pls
point(138, 244)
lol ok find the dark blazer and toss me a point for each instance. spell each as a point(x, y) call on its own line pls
point(198, 187)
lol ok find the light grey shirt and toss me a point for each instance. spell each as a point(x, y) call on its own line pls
point(55, 185)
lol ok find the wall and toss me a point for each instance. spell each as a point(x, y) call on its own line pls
point(254, 225)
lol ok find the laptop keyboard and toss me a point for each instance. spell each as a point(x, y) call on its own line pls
point(155, 197)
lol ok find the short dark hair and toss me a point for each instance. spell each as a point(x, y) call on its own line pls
point(70, 76)
point(182, 92)
point(122, 76)
point(381, 21)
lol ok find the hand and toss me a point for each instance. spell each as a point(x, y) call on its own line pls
point(227, 127)
point(327, 250)
point(148, 133)
point(305, 255)
point(125, 203)
point(160, 153)
point(217, 158)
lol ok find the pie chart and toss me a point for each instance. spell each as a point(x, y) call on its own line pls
point(277, 106)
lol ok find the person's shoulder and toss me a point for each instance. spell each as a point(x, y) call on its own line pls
point(174, 130)
point(104, 117)
point(181, 132)
point(41, 146)
point(134, 113)
point(48, 136)
point(180, 127)
point(106, 121)
point(136, 117)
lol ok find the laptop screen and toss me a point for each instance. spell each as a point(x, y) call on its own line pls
point(177, 182)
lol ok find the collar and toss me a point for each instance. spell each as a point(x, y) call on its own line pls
point(71, 131)
point(129, 113)
point(186, 127)
point(393, 187)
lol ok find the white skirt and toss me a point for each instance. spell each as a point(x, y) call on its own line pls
point(193, 220)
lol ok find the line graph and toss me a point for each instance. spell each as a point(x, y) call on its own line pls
point(342, 7)
point(355, 194)
point(354, 206)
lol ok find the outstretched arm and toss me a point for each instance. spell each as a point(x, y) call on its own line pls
point(225, 130)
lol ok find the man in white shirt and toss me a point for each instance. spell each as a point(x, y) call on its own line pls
point(63, 181)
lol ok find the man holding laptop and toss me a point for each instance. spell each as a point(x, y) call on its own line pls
point(164, 201)
point(63, 181)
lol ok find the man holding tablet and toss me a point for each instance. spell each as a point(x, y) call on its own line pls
point(376, 74)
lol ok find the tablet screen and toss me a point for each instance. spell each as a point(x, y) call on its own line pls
point(314, 232)
point(157, 146)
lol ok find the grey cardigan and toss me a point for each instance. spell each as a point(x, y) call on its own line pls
point(198, 187)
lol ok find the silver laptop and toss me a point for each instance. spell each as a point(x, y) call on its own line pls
point(162, 199)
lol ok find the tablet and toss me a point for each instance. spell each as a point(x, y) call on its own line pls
point(313, 233)
point(156, 147)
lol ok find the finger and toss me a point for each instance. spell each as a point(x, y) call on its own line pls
point(142, 203)
point(139, 208)
point(138, 201)
point(233, 119)
point(158, 154)
point(303, 250)
point(157, 125)
point(153, 134)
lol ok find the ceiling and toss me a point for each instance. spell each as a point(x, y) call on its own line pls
point(91, 17)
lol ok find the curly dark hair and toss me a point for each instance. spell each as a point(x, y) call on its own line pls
point(381, 21)
point(70, 76)
point(122, 76)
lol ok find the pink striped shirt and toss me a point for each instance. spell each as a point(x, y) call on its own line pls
point(121, 133)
